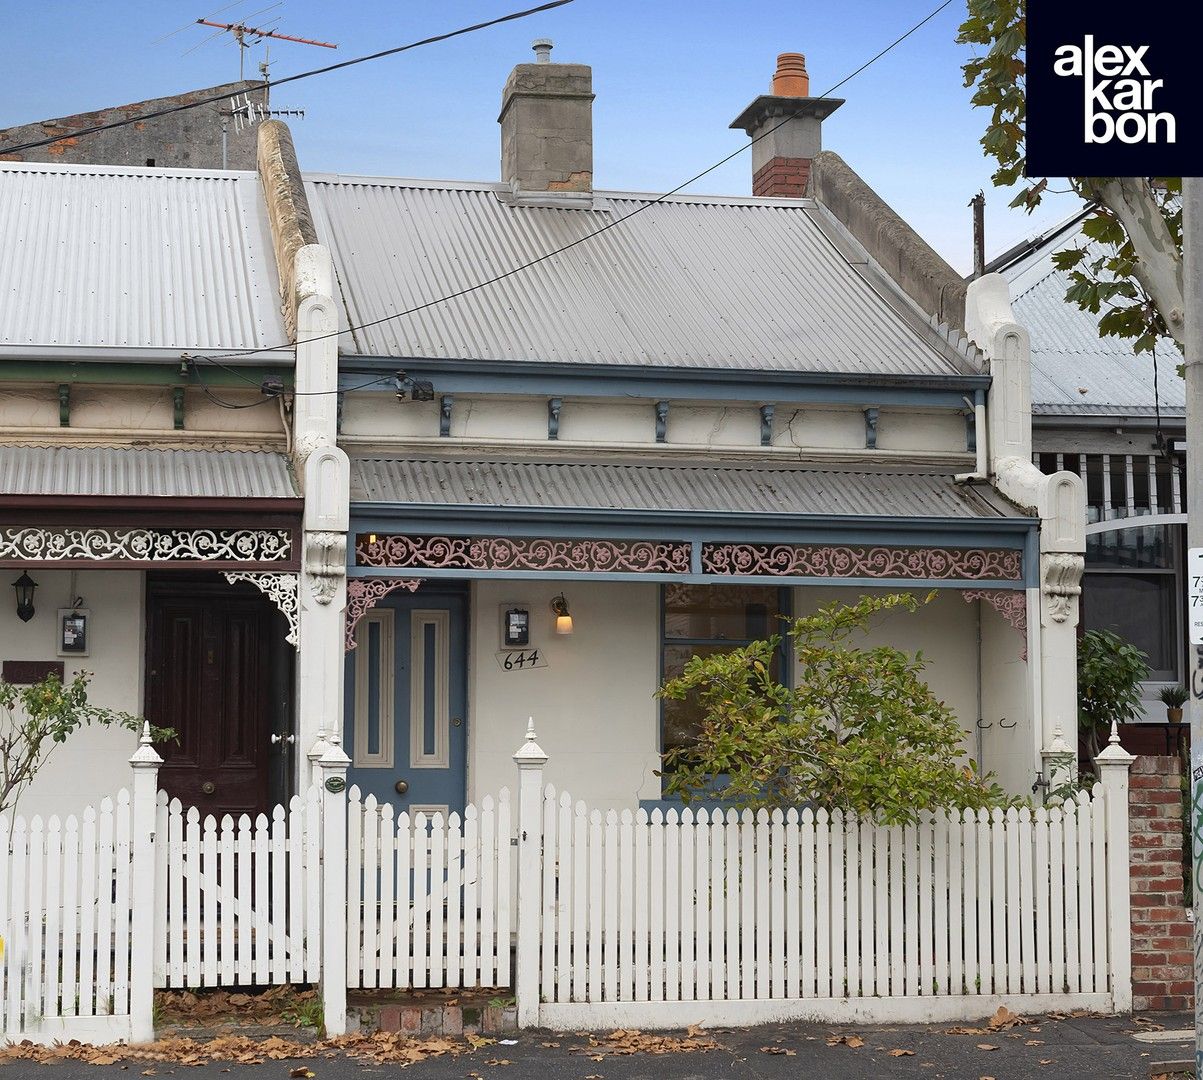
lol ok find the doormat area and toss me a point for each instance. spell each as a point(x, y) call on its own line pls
point(432, 1012)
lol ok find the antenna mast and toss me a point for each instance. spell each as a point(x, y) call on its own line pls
point(255, 34)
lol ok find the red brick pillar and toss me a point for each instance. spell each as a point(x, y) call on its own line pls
point(1162, 958)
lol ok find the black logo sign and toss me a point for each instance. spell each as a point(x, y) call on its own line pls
point(1112, 90)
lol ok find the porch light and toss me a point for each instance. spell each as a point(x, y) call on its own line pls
point(559, 607)
point(25, 586)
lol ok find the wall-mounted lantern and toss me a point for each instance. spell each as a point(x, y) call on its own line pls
point(559, 607)
point(25, 587)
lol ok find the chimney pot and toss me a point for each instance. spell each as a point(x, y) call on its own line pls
point(542, 47)
point(791, 78)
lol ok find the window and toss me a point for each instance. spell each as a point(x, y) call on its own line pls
point(1131, 588)
point(700, 620)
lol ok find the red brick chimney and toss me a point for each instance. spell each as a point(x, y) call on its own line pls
point(787, 128)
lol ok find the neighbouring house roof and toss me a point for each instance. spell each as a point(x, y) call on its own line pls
point(126, 262)
point(1074, 371)
point(703, 489)
point(141, 472)
point(689, 282)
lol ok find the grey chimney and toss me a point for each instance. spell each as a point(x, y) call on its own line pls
point(547, 126)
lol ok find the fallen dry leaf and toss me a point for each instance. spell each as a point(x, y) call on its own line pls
point(854, 1041)
point(1034, 1042)
point(901, 1053)
point(1046, 1061)
point(498, 1061)
point(301, 1073)
point(627, 1041)
point(986, 1046)
point(779, 1050)
point(1003, 1018)
point(961, 1030)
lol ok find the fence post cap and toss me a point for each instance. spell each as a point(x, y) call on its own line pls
point(145, 757)
point(334, 757)
point(320, 745)
point(1113, 753)
point(530, 754)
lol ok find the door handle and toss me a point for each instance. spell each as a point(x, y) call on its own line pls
point(287, 739)
point(401, 787)
point(208, 787)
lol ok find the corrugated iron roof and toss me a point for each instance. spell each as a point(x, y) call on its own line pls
point(688, 282)
point(1074, 371)
point(826, 492)
point(127, 259)
point(133, 472)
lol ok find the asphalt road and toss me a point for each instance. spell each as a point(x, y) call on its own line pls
point(1073, 1047)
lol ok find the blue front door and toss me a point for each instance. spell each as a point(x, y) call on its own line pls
point(406, 699)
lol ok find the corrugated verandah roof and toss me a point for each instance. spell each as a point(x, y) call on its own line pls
point(705, 489)
point(143, 472)
point(688, 282)
point(116, 260)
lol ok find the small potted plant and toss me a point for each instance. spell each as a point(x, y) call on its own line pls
point(1174, 697)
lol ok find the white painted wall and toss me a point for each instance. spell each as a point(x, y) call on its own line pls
point(381, 417)
point(945, 631)
point(593, 705)
point(94, 762)
point(1006, 751)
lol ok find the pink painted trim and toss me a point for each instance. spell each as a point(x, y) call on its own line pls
point(789, 560)
point(495, 553)
point(363, 595)
point(1011, 604)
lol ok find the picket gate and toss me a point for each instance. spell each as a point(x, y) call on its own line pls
point(428, 897)
point(239, 900)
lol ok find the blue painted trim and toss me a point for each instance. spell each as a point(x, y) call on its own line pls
point(542, 379)
point(670, 524)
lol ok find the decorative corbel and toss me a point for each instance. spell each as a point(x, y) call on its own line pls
point(446, 404)
point(325, 562)
point(766, 424)
point(553, 417)
point(661, 421)
point(283, 590)
point(1061, 582)
point(871, 429)
point(363, 595)
point(64, 405)
point(177, 408)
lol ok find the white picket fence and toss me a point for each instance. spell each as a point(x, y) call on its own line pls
point(428, 898)
point(66, 920)
point(239, 900)
point(645, 916)
point(618, 919)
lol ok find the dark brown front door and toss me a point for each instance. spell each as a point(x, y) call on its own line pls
point(209, 677)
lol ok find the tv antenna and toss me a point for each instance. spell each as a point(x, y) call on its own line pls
point(246, 35)
point(245, 113)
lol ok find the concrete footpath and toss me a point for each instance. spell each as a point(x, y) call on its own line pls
point(1043, 1048)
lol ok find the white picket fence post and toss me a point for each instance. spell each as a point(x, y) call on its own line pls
point(332, 767)
point(1114, 763)
point(530, 760)
point(145, 763)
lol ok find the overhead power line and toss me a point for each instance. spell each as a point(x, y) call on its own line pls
point(289, 346)
point(184, 106)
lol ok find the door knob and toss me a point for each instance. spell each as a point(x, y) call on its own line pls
point(287, 739)
point(401, 787)
point(208, 787)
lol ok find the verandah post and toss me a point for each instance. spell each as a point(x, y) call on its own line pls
point(530, 760)
point(1114, 763)
point(332, 770)
point(145, 763)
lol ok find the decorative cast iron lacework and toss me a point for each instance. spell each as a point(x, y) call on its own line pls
point(146, 545)
point(362, 595)
point(1011, 604)
point(495, 553)
point(789, 560)
point(283, 590)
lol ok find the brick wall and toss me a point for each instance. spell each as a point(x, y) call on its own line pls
point(782, 178)
point(1162, 960)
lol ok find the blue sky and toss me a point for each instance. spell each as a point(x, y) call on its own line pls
point(669, 78)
